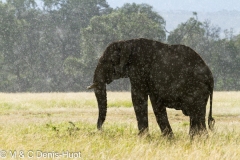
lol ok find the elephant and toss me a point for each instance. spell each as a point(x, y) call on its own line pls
point(172, 76)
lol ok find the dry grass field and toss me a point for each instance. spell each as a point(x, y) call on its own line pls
point(63, 126)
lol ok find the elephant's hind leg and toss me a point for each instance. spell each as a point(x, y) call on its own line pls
point(197, 117)
point(197, 126)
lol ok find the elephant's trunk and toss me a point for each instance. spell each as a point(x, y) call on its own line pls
point(101, 95)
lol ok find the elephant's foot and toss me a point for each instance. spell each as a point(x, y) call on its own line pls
point(198, 133)
point(168, 133)
point(143, 132)
point(197, 127)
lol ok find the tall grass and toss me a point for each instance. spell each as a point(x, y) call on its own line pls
point(59, 122)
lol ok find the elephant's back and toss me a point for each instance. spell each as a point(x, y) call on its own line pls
point(178, 68)
point(192, 64)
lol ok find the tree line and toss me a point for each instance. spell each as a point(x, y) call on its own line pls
point(55, 46)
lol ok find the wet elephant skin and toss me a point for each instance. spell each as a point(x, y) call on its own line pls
point(172, 76)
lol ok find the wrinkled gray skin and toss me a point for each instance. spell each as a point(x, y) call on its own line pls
point(173, 76)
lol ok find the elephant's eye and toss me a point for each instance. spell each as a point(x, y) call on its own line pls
point(114, 71)
point(115, 58)
point(113, 63)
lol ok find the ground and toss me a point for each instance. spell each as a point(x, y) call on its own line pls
point(48, 124)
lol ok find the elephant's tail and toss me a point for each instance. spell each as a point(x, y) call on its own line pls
point(211, 120)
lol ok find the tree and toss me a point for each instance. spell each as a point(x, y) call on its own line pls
point(65, 20)
point(22, 6)
point(10, 28)
point(189, 32)
point(227, 65)
point(35, 43)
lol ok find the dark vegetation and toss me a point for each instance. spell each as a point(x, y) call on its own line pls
point(55, 47)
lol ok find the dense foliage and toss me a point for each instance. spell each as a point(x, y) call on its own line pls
point(55, 46)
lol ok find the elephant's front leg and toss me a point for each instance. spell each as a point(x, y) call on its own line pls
point(140, 103)
point(161, 116)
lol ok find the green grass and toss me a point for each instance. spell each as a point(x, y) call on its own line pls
point(56, 122)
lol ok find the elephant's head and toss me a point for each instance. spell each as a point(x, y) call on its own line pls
point(112, 65)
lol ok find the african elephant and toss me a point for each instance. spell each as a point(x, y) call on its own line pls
point(173, 76)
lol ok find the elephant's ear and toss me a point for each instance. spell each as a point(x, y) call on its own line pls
point(124, 54)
